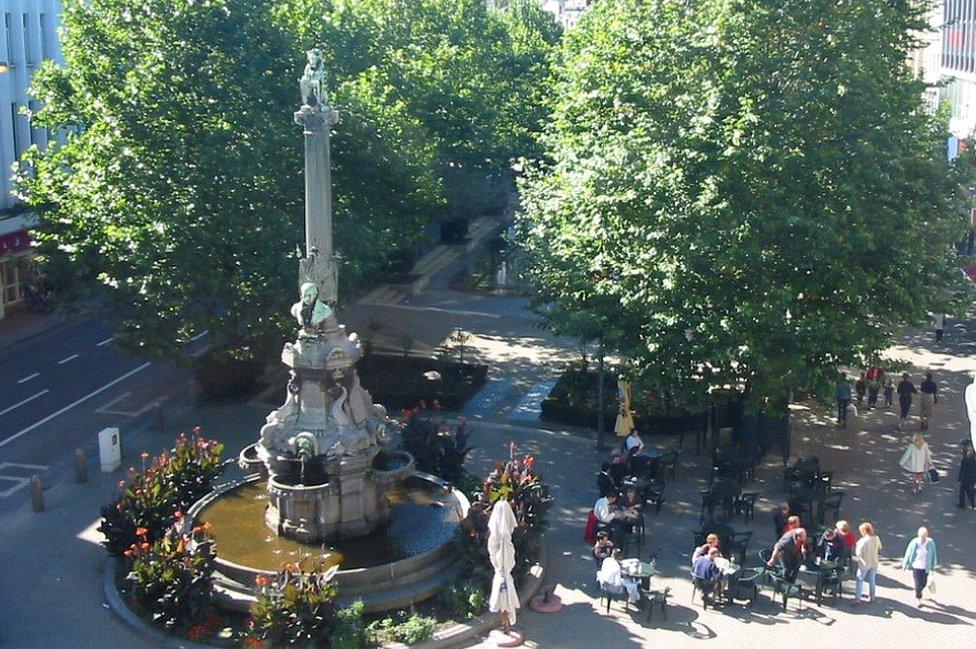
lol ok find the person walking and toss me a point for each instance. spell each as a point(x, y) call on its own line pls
point(905, 391)
point(860, 387)
point(921, 558)
point(842, 393)
point(967, 477)
point(916, 460)
point(867, 552)
point(938, 323)
point(929, 390)
point(889, 393)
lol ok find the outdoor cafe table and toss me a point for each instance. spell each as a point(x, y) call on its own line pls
point(637, 569)
point(729, 573)
point(818, 576)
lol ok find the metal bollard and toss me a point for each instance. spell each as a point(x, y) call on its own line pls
point(81, 467)
point(37, 494)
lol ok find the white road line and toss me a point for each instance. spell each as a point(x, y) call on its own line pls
point(17, 405)
point(28, 378)
point(105, 342)
point(69, 358)
point(72, 405)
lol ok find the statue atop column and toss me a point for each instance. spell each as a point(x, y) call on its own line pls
point(312, 83)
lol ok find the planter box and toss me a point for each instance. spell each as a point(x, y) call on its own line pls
point(398, 381)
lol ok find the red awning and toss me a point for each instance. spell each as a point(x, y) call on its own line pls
point(14, 242)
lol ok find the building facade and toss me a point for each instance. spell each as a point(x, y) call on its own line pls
point(30, 35)
point(567, 12)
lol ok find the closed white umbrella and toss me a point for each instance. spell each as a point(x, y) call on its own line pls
point(971, 408)
point(501, 553)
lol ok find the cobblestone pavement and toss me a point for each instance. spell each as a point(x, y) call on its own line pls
point(864, 457)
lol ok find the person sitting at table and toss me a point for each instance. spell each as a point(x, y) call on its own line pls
point(711, 541)
point(611, 578)
point(780, 519)
point(635, 446)
point(604, 546)
point(790, 552)
point(618, 469)
point(831, 546)
point(708, 574)
point(632, 499)
point(608, 516)
point(850, 539)
point(604, 483)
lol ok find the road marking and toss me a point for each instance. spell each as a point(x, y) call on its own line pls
point(17, 405)
point(72, 405)
point(106, 407)
point(28, 378)
point(19, 481)
point(69, 358)
point(105, 342)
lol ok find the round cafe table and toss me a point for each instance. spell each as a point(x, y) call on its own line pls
point(637, 569)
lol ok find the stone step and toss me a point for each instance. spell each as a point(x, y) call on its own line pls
point(404, 596)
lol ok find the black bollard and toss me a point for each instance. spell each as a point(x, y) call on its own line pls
point(81, 467)
point(37, 494)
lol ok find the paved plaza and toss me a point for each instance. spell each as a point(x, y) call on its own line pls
point(53, 565)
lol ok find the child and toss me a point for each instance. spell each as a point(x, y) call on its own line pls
point(889, 393)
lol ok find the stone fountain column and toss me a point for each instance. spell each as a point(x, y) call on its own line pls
point(321, 446)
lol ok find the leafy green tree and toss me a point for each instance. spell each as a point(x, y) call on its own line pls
point(179, 187)
point(752, 187)
point(473, 77)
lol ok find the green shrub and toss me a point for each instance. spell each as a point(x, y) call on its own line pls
point(172, 482)
point(412, 630)
point(348, 629)
point(465, 597)
point(296, 608)
point(172, 580)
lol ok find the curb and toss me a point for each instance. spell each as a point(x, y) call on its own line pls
point(442, 639)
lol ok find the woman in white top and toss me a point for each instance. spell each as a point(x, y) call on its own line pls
point(917, 459)
point(611, 578)
point(866, 557)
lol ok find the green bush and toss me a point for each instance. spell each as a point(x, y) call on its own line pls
point(296, 608)
point(465, 597)
point(168, 485)
point(348, 629)
point(172, 580)
point(412, 630)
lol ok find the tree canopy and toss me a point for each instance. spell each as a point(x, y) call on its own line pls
point(746, 191)
point(179, 186)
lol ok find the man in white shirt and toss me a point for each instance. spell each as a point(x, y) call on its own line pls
point(611, 578)
point(605, 510)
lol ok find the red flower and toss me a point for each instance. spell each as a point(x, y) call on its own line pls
point(141, 531)
point(261, 580)
point(144, 546)
point(178, 515)
point(144, 455)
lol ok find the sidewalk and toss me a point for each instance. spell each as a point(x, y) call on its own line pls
point(20, 326)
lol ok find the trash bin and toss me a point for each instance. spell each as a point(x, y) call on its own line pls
point(109, 449)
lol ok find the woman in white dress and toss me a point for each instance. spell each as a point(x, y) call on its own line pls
point(917, 459)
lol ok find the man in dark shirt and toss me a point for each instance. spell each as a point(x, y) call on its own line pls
point(707, 573)
point(905, 391)
point(790, 552)
point(618, 470)
point(831, 546)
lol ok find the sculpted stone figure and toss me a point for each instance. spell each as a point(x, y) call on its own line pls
point(312, 83)
point(310, 312)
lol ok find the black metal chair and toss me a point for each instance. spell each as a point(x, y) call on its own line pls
point(745, 586)
point(739, 545)
point(745, 504)
point(654, 497)
point(655, 597)
point(668, 462)
point(787, 589)
point(608, 596)
point(830, 503)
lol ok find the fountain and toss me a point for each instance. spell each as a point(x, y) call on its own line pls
point(327, 487)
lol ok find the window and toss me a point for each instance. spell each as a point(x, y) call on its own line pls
point(8, 23)
point(28, 44)
point(14, 123)
point(10, 274)
point(45, 45)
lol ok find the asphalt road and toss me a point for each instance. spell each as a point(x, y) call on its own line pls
point(59, 388)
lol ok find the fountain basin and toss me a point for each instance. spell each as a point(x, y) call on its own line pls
point(398, 564)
